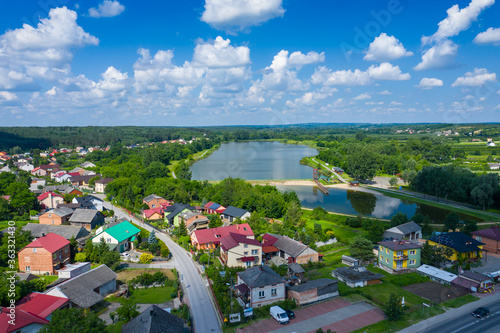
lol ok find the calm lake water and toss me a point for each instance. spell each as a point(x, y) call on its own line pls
point(253, 161)
point(367, 204)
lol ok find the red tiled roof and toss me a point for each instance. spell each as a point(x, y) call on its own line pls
point(23, 319)
point(208, 204)
point(149, 212)
point(269, 240)
point(46, 194)
point(40, 304)
point(269, 249)
point(492, 232)
point(214, 235)
point(233, 240)
point(51, 242)
point(73, 174)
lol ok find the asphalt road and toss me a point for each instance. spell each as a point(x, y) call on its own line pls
point(469, 324)
point(205, 318)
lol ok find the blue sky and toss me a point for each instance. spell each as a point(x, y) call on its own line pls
point(233, 62)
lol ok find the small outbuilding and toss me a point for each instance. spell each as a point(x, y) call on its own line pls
point(350, 261)
point(313, 291)
point(356, 276)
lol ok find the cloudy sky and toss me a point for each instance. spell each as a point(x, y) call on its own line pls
point(226, 62)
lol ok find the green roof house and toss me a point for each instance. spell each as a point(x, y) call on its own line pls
point(119, 237)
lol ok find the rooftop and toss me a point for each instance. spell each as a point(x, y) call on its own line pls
point(51, 242)
point(457, 241)
point(154, 320)
point(492, 232)
point(122, 231)
point(259, 276)
point(400, 245)
point(357, 274)
point(318, 283)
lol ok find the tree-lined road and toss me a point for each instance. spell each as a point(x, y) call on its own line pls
point(204, 316)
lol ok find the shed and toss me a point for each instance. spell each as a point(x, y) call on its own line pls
point(350, 261)
point(313, 291)
point(436, 274)
point(356, 276)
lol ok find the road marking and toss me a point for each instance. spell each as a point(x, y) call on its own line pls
point(463, 327)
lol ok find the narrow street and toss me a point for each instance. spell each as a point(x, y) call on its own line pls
point(204, 316)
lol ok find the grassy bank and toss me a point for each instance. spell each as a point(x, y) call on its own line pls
point(5, 224)
point(194, 158)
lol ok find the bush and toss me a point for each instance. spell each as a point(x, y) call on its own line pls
point(146, 258)
point(154, 248)
point(80, 257)
point(165, 252)
point(408, 279)
point(144, 245)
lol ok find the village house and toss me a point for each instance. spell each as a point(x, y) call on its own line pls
point(100, 185)
point(232, 213)
point(194, 221)
point(153, 213)
point(87, 218)
point(86, 289)
point(87, 164)
point(172, 213)
point(44, 255)
point(399, 256)
point(39, 172)
point(290, 249)
point(461, 244)
point(50, 199)
point(119, 237)
point(213, 208)
point(490, 237)
point(350, 261)
point(89, 202)
point(483, 282)
point(155, 320)
point(210, 238)
point(237, 250)
point(260, 285)
point(357, 276)
point(81, 180)
point(494, 166)
point(154, 201)
point(25, 321)
point(313, 291)
point(41, 305)
point(410, 231)
point(56, 216)
point(67, 231)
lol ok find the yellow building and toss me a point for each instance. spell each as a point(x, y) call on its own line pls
point(460, 243)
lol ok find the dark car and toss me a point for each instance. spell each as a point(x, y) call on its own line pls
point(481, 312)
point(290, 314)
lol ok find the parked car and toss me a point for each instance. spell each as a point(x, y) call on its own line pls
point(279, 314)
point(290, 314)
point(125, 256)
point(481, 312)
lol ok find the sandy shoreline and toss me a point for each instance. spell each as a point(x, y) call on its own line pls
point(292, 182)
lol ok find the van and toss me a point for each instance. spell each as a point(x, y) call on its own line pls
point(279, 314)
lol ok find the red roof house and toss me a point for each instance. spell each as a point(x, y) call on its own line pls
point(239, 251)
point(24, 321)
point(490, 237)
point(207, 238)
point(44, 255)
point(153, 214)
point(50, 199)
point(42, 305)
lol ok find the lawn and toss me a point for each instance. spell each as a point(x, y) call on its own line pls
point(48, 278)
point(153, 295)
point(459, 301)
point(130, 273)
point(115, 328)
point(5, 224)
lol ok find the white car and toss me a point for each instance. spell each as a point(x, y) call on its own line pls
point(125, 256)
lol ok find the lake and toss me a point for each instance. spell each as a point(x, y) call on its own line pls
point(367, 204)
point(254, 161)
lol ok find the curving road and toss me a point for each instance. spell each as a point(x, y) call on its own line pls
point(331, 170)
point(203, 313)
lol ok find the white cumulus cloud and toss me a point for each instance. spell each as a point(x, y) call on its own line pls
point(107, 9)
point(490, 36)
point(384, 48)
point(430, 82)
point(237, 15)
point(221, 54)
point(362, 96)
point(474, 79)
point(383, 72)
point(438, 56)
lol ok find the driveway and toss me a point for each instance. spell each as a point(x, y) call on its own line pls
point(338, 315)
point(203, 312)
point(492, 265)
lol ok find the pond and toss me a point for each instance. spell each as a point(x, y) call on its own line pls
point(377, 205)
point(254, 161)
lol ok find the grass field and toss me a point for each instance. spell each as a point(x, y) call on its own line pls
point(5, 224)
point(128, 274)
point(153, 295)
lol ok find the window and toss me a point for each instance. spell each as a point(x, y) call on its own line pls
point(400, 253)
point(245, 246)
point(249, 264)
point(387, 260)
point(50, 215)
point(55, 255)
point(262, 294)
point(108, 240)
point(478, 238)
point(60, 254)
point(412, 262)
point(245, 253)
point(387, 251)
point(27, 268)
point(255, 251)
point(34, 250)
point(273, 292)
point(412, 252)
point(381, 258)
point(66, 250)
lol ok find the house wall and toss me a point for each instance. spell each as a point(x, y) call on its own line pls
point(256, 301)
point(108, 288)
point(239, 251)
point(308, 255)
point(155, 216)
point(387, 259)
point(490, 245)
point(155, 203)
point(99, 187)
point(52, 202)
point(31, 328)
point(52, 219)
point(107, 238)
point(313, 295)
point(177, 218)
point(467, 255)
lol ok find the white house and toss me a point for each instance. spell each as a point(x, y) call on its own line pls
point(239, 251)
point(260, 285)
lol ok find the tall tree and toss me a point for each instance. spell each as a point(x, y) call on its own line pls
point(127, 310)
point(394, 309)
point(293, 215)
point(182, 171)
point(74, 320)
point(361, 248)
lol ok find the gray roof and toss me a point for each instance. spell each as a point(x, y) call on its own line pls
point(84, 215)
point(475, 276)
point(323, 282)
point(104, 181)
point(88, 164)
point(152, 197)
point(296, 268)
point(234, 211)
point(80, 289)
point(60, 188)
point(67, 231)
point(62, 211)
point(289, 246)
point(259, 276)
point(356, 274)
point(26, 277)
point(350, 259)
point(69, 190)
point(70, 205)
point(154, 320)
point(176, 209)
point(408, 228)
point(188, 214)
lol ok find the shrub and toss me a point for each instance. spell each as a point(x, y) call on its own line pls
point(146, 258)
point(165, 252)
point(203, 258)
point(154, 248)
point(80, 257)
